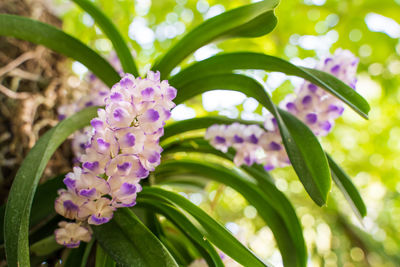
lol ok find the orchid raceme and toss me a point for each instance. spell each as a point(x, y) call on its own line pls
point(123, 149)
point(252, 144)
point(314, 106)
point(311, 104)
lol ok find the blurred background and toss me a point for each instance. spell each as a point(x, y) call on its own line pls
point(306, 30)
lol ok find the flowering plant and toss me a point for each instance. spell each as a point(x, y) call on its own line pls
point(129, 151)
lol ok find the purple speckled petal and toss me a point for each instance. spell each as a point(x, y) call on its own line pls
point(72, 244)
point(126, 82)
point(69, 182)
point(291, 106)
point(220, 140)
point(124, 166)
point(128, 189)
point(275, 146)
point(70, 206)
point(248, 160)
point(335, 69)
point(326, 125)
point(130, 139)
point(253, 139)
point(237, 139)
point(306, 100)
point(312, 87)
point(103, 144)
point(153, 115)
point(154, 157)
point(116, 96)
point(148, 92)
point(99, 220)
point(87, 192)
point(141, 172)
point(269, 167)
point(311, 118)
point(96, 123)
point(91, 165)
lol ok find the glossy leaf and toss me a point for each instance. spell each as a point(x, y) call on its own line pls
point(214, 231)
point(225, 63)
point(55, 39)
point(103, 259)
point(183, 223)
point(16, 224)
point(304, 150)
point(45, 246)
point(109, 29)
point(130, 243)
point(348, 189)
point(252, 20)
point(290, 243)
point(275, 198)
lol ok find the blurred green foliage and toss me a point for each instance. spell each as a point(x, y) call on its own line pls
point(368, 150)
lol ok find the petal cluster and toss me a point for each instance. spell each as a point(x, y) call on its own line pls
point(123, 149)
point(316, 107)
point(311, 104)
point(252, 143)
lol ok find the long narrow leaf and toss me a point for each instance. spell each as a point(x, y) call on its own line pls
point(304, 150)
point(103, 259)
point(55, 39)
point(186, 227)
point(109, 29)
point(346, 186)
point(130, 243)
point(275, 198)
point(216, 233)
point(16, 224)
point(291, 244)
point(252, 20)
point(228, 62)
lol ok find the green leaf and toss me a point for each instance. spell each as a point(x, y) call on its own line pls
point(75, 256)
point(42, 206)
point(109, 29)
point(348, 189)
point(185, 226)
point(86, 254)
point(16, 224)
point(55, 39)
point(103, 259)
point(304, 150)
point(228, 62)
point(289, 239)
point(214, 231)
point(252, 20)
point(130, 243)
point(275, 198)
point(45, 246)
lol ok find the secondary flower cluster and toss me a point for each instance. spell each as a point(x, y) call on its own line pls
point(123, 149)
point(311, 104)
point(252, 144)
point(316, 107)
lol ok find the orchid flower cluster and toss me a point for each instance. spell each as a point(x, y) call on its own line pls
point(123, 149)
point(311, 104)
point(252, 144)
